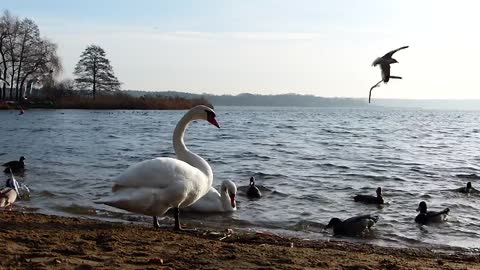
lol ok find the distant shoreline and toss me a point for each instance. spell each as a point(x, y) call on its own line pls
point(122, 102)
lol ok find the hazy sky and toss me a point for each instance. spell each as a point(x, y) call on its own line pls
point(315, 47)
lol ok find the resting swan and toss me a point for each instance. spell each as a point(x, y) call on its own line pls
point(215, 202)
point(154, 186)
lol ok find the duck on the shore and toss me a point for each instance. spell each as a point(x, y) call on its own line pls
point(426, 217)
point(354, 226)
point(14, 165)
point(153, 186)
point(215, 202)
point(467, 189)
point(369, 199)
point(9, 193)
point(253, 191)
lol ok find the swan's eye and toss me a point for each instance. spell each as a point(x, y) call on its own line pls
point(210, 113)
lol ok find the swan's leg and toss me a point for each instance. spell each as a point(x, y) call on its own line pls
point(176, 213)
point(156, 225)
point(178, 227)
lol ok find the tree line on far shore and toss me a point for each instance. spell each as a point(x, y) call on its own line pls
point(29, 64)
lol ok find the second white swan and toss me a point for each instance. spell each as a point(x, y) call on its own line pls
point(217, 202)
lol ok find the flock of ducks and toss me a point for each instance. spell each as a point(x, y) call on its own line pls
point(359, 225)
point(152, 187)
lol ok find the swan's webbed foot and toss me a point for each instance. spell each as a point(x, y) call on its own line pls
point(178, 227)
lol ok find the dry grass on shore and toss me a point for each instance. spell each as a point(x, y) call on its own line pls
point(125, 102)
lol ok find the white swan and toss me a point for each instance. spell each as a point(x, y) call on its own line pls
point(214, 201)
point(154, 186)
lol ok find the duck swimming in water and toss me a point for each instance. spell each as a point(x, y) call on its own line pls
point(253, 191)
point(354, 226)
point(467, 189)
point(426, 217)
point(15, 165)
point(369, 199)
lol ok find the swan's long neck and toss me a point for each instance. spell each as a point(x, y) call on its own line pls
point(224, 198)
point(183, 153)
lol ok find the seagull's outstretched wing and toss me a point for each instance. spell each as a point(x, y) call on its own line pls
point(370, 93)
point(390, 53)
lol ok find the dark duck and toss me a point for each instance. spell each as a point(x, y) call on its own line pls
point(426, 217)
point(253, 191)
point(369, 199)
point(354, 226)
point(467, 189)
point(15, 165)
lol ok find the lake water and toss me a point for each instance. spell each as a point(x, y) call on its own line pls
point(310, 161)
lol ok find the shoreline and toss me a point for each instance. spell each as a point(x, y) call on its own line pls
point(38, 241)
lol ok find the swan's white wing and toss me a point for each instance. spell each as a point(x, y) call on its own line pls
point(153, 186)
point(158, 173)
point(136, 200)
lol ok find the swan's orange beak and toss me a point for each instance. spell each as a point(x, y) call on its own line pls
point(232, 201)
point(213, 121)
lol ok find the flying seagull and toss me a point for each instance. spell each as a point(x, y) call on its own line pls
point(384, 63)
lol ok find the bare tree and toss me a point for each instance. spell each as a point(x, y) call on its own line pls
point(25, 56)
point(93, 71)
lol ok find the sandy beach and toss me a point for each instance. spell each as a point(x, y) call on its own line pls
point(36, 241)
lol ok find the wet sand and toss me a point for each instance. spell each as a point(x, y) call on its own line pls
point(36, 241)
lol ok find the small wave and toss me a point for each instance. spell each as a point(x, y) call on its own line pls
point(45, 193)
point(468, 176)
point(77, 209)
point(331, 165)
point(260, 175)
point(252, 155)
point(307, 225)
point(286, 127)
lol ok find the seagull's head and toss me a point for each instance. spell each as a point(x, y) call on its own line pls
point(393, 61)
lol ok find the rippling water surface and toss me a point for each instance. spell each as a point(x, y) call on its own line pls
point(310, 162)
